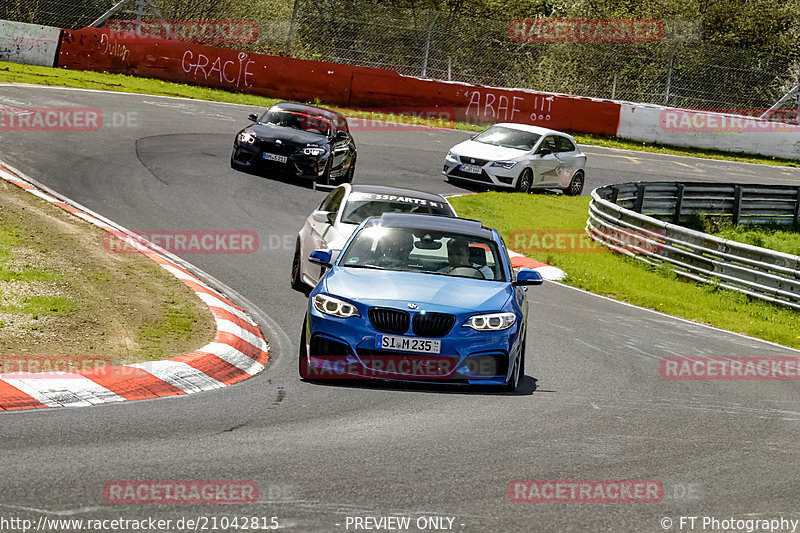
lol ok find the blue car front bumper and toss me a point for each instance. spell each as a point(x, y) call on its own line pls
point(348, 348)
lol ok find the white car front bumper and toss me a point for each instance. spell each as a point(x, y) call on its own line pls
point(489, 175)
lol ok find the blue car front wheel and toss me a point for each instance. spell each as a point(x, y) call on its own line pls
point(517, 373)
point(302, 356)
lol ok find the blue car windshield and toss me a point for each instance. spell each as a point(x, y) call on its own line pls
point(420, 250)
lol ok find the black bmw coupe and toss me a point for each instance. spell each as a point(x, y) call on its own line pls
point(297, 140)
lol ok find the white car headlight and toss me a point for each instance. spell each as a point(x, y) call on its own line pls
point(248, 137)
point(452, 155)
point(314, 150)
point(334, 306)
point(491, 321)
point(503, 164)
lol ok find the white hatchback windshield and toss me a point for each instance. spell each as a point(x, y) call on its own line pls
point(508, 138)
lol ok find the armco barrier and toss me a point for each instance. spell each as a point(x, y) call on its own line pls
point(346, 85)
point(703, 129)
point(641, 209)
point(29, 44)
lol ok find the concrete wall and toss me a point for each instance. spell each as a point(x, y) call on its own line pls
point(346, 85)
point(719, 131)
point(29, 44)
point(368, 88)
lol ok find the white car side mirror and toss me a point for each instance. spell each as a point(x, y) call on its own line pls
point(322, 217)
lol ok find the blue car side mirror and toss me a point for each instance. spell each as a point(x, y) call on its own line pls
point(321, 257)
point(527, 276)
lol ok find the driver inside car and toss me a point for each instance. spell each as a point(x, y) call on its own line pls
point(459, 263)
point(393, 250)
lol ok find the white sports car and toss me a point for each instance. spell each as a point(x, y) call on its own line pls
point(521, 157)
point(342, 211)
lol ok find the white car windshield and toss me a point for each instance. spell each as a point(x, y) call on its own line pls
point(362, 205)
point(298, 120)
point(421, 250)
point(508, 138)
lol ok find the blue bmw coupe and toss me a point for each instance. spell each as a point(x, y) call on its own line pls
point(418, 298)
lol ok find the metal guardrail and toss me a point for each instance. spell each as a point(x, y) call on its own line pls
point(641, 220)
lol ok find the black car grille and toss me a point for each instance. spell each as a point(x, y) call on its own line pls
point(483, 176)
point(473, 160)
point(278, 149)
point(488, 364)
point(432, 324)
point(423, 367)
point(389, 320)
point(321, 346)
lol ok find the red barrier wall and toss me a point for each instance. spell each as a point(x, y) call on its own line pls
point(332, 83)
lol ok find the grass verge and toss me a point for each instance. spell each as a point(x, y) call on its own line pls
point(772, 237)
point(63, 294)
point(523, 219)
point(11, 72)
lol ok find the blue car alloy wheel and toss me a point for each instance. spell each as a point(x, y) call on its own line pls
point(418, 298)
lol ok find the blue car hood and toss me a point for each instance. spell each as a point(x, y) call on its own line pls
point(429, 291)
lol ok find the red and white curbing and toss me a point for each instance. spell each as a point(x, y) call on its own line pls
point(548, 272)
point(238, 351)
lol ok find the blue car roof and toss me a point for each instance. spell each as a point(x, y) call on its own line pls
point(433, 223)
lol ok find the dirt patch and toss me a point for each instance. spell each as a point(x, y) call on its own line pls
point(63, 293)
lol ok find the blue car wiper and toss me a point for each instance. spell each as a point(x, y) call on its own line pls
point(376, 267)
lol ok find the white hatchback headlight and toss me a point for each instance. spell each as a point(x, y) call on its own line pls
point(334, 306)
point(503, 164)
point(491, 321)
point(452, 155)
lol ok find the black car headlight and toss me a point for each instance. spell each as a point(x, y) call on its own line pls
point(247, 137)
point(315, 151)
point(334, 306)
point(491, 321)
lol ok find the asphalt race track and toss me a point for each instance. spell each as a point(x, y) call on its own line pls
point(321, 453)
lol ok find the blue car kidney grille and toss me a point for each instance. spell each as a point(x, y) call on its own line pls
point(432, 324)
point(389, 320)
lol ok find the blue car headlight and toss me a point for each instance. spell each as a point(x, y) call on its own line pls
point(314, 151)
point(503, 164)
point(334, 306)
point(491, 321)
